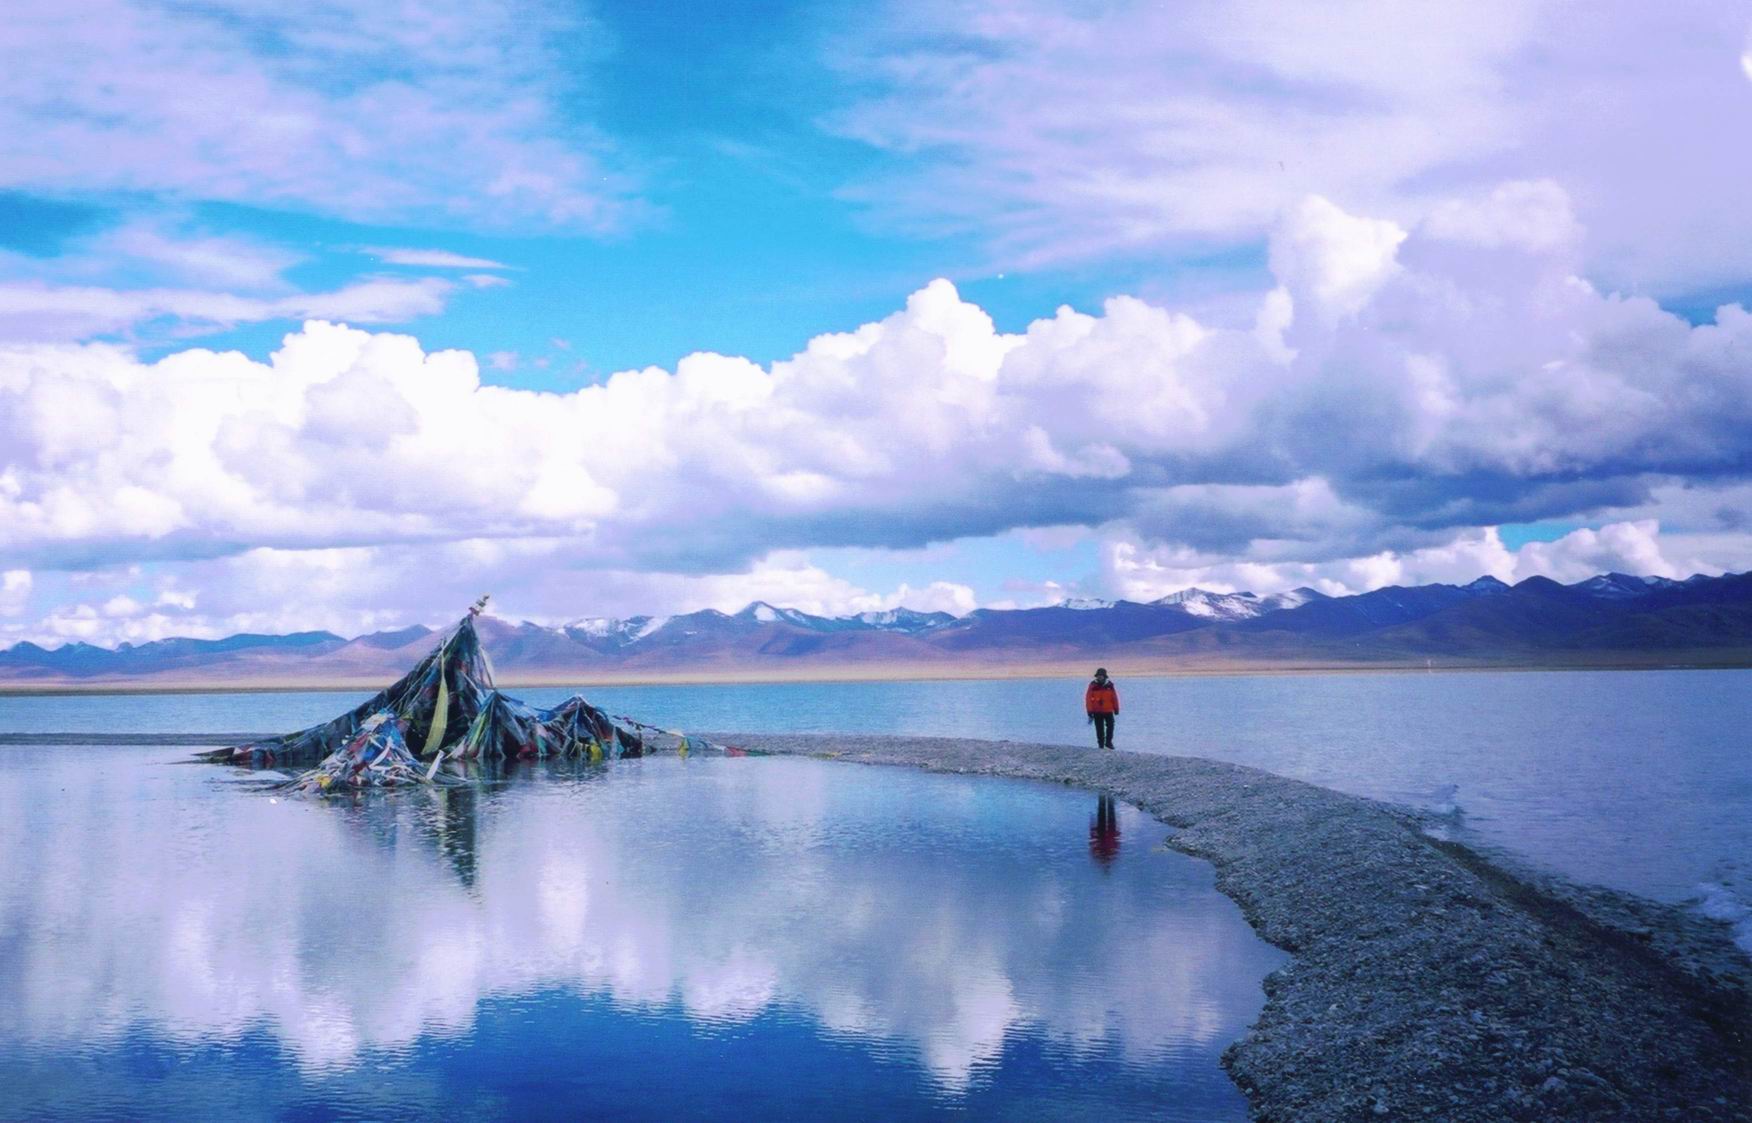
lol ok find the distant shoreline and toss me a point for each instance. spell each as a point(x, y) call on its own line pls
point(901, 673)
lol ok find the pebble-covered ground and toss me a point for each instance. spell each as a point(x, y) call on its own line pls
point(1428, 982)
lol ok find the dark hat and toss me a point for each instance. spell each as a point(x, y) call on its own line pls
point(1100, 672)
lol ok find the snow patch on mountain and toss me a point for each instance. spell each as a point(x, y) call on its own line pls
point(1619, 586)
point(1235, 606)
point(1295, 598)
point(763, 613)
point(618, 632)
point(905, 620)
point(1213, 606)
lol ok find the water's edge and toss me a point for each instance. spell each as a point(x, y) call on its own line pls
point(1428, 979)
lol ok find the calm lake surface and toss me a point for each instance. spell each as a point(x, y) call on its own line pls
point(1638, 780)
point(652, 939)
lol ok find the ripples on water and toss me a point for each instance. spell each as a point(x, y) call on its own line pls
point(651, 939)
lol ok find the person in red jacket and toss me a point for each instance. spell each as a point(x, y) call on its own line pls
point(1101, 702)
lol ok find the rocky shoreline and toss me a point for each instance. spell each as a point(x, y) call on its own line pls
point(1428, 981)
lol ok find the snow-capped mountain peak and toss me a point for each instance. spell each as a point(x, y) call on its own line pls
point(1213, 606)
point(618, 633)
point(903, 620)
point(1295, 598)
point(1617, 586)
point(763, 613)
point(1084, 604)
point(1235, 606)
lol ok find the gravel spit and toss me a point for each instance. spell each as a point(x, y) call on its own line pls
point(1428, 980)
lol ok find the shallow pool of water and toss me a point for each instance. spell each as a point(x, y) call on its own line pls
point(711, 938)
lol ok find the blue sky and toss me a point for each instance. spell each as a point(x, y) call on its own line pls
point(1353, 299)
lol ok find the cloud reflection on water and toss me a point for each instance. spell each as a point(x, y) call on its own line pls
point(931, 917)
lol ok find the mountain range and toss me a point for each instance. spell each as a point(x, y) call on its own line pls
point(1614, 619)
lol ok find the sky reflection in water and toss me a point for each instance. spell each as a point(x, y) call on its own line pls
point(1640, 780)
point(709, 936)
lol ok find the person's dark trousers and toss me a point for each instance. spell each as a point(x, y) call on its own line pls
point(1104, 731)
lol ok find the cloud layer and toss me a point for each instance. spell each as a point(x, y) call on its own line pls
point(1398, 390)
point(362, 111)
point(1074, 131)
point(46, 312)
point(716, 900)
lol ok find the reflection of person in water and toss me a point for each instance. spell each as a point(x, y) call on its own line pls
point(1104, 832)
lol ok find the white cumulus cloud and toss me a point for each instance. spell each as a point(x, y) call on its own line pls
point(15, 585)
point(1142, 573)
point(1402, 387)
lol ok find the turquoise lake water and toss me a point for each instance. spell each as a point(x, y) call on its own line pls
point(714, 938)
point(1637, 780)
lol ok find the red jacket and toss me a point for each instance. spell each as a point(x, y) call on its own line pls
point(1101, 698)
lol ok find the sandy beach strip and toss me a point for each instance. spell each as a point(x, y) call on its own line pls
point(1428, 981)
